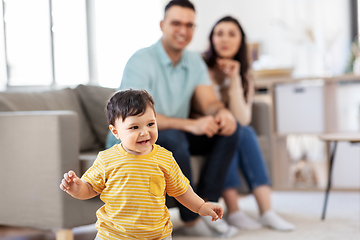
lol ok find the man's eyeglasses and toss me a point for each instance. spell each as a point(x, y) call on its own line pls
point(177, 25)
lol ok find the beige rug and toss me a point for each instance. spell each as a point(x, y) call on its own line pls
point(307, 228)
point(304, 210)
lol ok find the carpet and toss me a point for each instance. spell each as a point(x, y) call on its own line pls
point(304, 210)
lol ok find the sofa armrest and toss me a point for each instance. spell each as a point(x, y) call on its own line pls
point(261, 120)
point(262, 123)
point(37, 148)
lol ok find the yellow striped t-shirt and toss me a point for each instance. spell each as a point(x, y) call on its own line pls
point(133, 189)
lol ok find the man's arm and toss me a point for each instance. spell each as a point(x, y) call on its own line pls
point(202, 126)
point(182, 124)
point(206, 102)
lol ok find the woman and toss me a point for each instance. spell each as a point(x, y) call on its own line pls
point(229, 70)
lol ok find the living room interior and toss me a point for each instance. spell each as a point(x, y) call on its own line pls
point(60, 61)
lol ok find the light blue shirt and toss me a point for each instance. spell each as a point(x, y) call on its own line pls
point(171, 87)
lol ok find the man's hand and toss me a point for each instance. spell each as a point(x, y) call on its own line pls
point(226, 122)
point(71, 183)
point(206, 125)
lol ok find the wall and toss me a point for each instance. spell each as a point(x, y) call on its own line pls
point(347, 160)
point(313, 36)
point(2, 55)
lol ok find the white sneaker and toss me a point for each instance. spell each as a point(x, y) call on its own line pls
point(221, 227)
point(232, 231)
point(272, 219)
point(200, 229)
point(240, 220)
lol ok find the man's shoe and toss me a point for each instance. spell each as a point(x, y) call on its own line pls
point(241, 220)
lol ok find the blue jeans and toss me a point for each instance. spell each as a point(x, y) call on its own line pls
point(248, 158)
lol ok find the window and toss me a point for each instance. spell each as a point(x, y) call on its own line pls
point(70, 42)
point(3, 74)
point(28, 42)
point(67, 42)
point(122, 28)
point(46, 42)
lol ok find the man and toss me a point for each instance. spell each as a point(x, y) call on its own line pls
point(175, 77)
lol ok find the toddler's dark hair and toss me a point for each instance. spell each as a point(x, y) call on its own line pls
point(128, 103)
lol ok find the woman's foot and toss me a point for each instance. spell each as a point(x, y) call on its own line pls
point(273, 220)
point(240, 220)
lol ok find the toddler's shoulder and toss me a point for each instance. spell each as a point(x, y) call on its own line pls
point(164, 152)
point(110, 153)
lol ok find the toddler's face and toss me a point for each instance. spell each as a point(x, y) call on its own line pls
point(137, 133)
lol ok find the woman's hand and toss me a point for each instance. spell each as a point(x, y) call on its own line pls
point(230, 67)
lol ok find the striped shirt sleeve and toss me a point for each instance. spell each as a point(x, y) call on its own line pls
point(176, 182)
point(95, 175)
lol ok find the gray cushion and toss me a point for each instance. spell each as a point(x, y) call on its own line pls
point(94, 100)
point(64, 99)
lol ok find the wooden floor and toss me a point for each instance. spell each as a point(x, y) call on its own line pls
point(9, 233)
point(15, 233)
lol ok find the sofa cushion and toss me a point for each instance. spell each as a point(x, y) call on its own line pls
point(94, 100)
point(64, 99)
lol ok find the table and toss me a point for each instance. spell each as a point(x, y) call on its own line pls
point(353, 137)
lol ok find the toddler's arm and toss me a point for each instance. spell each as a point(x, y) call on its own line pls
point(76, 187)
point(196, 204)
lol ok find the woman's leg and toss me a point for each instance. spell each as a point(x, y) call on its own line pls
point(249, 160)
point(231, 197)
point(236, 217)
point(262, 195)
point(252, 165)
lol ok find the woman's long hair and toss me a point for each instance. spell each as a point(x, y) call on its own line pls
point(210, 55)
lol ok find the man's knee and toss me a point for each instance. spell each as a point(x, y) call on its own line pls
point(173, 140)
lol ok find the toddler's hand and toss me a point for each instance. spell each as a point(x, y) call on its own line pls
point(71, 183)
point(213, 210)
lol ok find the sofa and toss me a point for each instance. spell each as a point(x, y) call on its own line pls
point(45, 134)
